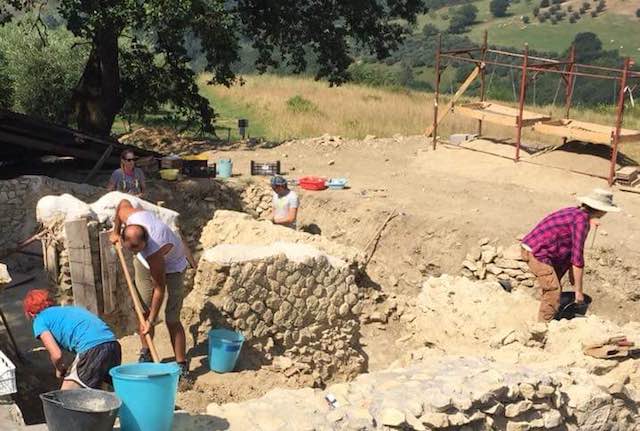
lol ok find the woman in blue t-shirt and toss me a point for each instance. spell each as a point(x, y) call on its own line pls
point(78, 331)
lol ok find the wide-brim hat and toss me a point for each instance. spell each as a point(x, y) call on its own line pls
point(601, 200)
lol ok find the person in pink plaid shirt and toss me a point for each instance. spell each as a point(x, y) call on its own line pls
point(556, 245)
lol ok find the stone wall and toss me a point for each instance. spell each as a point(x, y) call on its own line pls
point(296, 306)
point(496, 263)
point(18, 198)
point(257, 200)
point(452, 393)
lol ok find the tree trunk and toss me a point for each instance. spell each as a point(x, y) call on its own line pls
point(97, 98)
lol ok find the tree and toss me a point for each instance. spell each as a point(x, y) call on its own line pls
point(498, 8)
point(282, 32)
point(462, 18)
point(526, 19)
point(638, 13)
point(588, 47)
point(6, 84)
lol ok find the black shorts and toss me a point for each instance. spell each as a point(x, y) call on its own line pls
point(91, 368)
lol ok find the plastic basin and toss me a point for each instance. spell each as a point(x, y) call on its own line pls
point(169, 174)
point(313, 183)
point(569, 309)
point(148, 394)
point(80, 410)
point(337, 183)
point(224, 349)
point(224, 168)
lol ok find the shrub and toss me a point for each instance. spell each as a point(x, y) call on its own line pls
point(601, 6)
point(445, 17)
point(569, 8)
point(544, 3)
point(638, 13)
point(572, 19)
point(526, 19)
point(536, 10)
point(299, 105)
point(542, 18)
point(498, 8)
point(586, 5)
point(594, 14)
point(554, 8)
point(43, 76)
point(554, 20)
point(576, 16)
point(6, 84)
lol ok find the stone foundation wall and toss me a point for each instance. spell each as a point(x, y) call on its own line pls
point(18, 198)
point(448, 393)
point(295, 305)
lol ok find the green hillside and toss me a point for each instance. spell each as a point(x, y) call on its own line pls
point(615, 26)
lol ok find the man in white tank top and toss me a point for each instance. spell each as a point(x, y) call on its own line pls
point(161, 260)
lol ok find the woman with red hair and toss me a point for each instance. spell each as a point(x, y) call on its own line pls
point(75, 330)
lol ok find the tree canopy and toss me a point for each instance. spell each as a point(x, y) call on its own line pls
point(499, 8)
point(139, 58)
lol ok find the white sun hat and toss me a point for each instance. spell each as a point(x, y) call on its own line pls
point(601, 200)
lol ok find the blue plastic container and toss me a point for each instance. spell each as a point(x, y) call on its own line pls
point(224, 168)
point(148, 394)
point(224, 349)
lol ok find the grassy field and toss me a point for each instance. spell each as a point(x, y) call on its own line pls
point(614, 27)
point(280, 108)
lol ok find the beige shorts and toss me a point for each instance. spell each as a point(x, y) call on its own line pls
point(174, 291)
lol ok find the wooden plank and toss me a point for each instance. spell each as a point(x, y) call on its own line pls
point(81, 265)
point(51, 264)
point(99, 163)
point(109, 271)
point(444, 112)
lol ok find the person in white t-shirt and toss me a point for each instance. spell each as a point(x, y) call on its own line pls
point(161, 261)
point(285, 203)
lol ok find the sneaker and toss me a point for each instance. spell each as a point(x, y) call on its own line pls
point(186, 380)
point(145, 356)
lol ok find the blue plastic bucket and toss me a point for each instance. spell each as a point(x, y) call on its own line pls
point(224, 349)
point(224, 168)
point(148, 394)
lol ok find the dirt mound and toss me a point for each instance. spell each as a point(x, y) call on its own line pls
point(230, 227)
point(166, 141)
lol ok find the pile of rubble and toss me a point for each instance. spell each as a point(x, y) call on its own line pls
point(257, 200)
point(295, 305)
point(165, 141)
point(490, 262)
point(445, 393)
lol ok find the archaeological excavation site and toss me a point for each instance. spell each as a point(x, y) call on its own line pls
point(396, 303)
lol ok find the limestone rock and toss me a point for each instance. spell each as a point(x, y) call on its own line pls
point(392, 417)
point(516, 409)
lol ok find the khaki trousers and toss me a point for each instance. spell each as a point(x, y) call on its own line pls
point(548, 278)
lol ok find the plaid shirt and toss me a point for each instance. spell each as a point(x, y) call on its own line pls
point(558, 240)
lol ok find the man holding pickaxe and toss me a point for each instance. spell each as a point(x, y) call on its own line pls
point(159, 267)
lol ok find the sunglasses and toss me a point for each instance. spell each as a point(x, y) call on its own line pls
point(129, 160)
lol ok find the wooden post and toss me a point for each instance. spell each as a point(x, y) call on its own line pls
point(523, 95)
point(109, 271)
point(436, 96)
point(99, 163)
point(482, 76)
point(81, 265)
point(570, 81)
point(619, 118)
point(50, 260)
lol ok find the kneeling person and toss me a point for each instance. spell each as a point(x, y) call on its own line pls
point(78, 331)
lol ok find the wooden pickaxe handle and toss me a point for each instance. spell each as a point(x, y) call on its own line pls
point(136, 302)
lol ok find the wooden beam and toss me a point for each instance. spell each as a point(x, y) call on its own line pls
point(99, 163)
point(81, 265)
point(109, 271)
point(465, 85)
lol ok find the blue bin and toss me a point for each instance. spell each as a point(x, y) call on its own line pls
point(148, 394)
point(224, 167)
point(224, 349)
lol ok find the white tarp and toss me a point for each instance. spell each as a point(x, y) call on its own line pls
point(67, 207)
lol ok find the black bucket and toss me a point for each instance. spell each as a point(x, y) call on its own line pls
point(80, 410)
point(568, 307)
